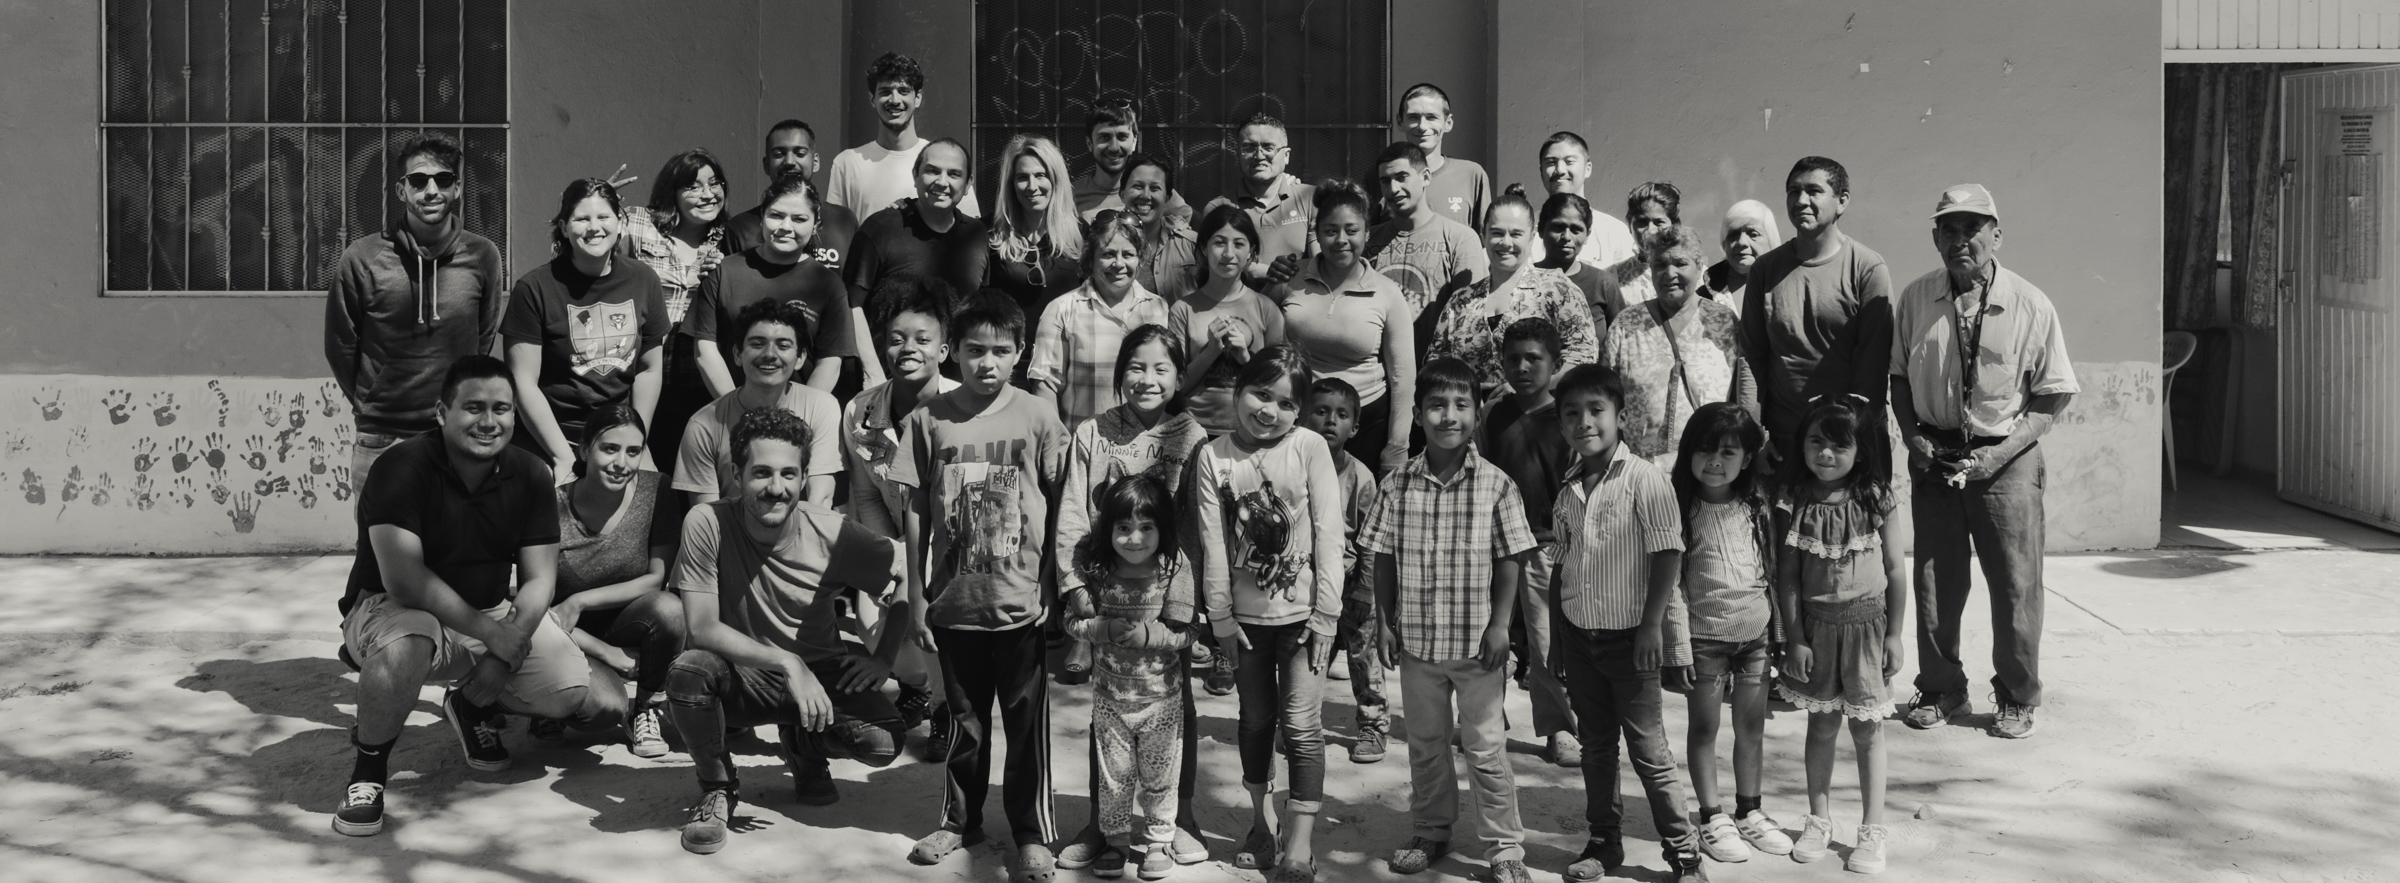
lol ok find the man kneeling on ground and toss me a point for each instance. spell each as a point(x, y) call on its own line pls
point(759, 574)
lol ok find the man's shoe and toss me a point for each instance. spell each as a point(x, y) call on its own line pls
point(1721, 841)
point(940, 844)
point(1599, 859)
point(1035, 864)
point(937, 737)
point(1816, 835)
point(1110, 865)
point(1565, 750)
point(478, 732)
point(1158, 862)
point(705, 833)
point(1220, 677)
point(1764, 833)
point(1866, 857)
point(646, 732)
point(1085, 849)
point(1372, 744)
point(1418, 855)
point(2014, 722)
point(361, 813)
point(1510, 871)
point(1188, 848)
point(1935, 709)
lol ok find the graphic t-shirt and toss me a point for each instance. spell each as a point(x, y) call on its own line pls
point(592, 331)
point(986, 477)
point(782, 595)
point(897, 241)
point(1428, 264)
point(835, 229)
point(748, 278)
point(1460, 191)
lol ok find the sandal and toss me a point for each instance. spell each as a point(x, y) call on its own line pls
point(1257, 852)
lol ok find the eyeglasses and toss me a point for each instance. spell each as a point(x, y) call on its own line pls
point(416, 180)
point(1260, 149)
point(697, 186)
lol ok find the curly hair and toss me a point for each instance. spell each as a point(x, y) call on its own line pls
point(770, 423)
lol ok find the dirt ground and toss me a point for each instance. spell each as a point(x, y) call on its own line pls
point(2235, 754)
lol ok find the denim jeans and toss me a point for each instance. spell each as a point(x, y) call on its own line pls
point(1610, 697)
point(709, 693)
point(1996, 522)
point(652, 627)
point(1277, 687)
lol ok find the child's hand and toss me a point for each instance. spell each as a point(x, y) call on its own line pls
point(1231, 644)
point(1798, 660)
point(1079, 603)
point(1320, 652)
point(1495, 647)
point(1387, 644)
point(1116, 630)
point(1676, 677)
point(1646, 653)
point(1895, 650)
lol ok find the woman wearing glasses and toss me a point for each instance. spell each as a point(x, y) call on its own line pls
point(680, 236)
point(585, 328)
point(1037, 242)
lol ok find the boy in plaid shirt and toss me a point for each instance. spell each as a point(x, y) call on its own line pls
point(1450, 541)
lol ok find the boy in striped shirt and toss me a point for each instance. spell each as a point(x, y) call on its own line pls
point(1617, 621)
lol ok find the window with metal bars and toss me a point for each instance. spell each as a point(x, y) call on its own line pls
point(246, 142)
point(1195, 71)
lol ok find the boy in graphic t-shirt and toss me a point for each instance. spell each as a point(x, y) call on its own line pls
point(982, 462)
point(1429, 255)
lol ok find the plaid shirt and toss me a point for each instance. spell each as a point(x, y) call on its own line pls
point(1610, 533)
point(677, 278)
point(1444, 537)
point(1075, 347)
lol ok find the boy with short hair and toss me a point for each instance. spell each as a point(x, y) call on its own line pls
point(1429, 255)
point(1113, 134)
point(1332, 412)
point(983, 462)
point(772, 347)
point(1457, 188)
point(1450, 541)
point(871, 177)
point(1616, 613)
point(1565, 162)
point(1521, 433)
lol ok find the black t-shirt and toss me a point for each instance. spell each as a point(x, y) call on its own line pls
point(592, 331)
point(897, 241)
point(835, 229)
point(748, 278)
point(470, 536)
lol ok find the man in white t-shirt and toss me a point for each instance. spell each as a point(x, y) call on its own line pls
point(1566, 164)
point(871, 177)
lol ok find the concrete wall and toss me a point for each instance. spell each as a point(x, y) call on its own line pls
point(1462, 33)
point(2053, 104)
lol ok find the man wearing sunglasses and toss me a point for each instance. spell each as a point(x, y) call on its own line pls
point(407, 302)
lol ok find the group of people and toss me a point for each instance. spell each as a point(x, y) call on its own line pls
point(755, 466)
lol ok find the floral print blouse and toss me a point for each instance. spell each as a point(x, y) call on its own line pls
point(1658, 401)
point(1471, 327)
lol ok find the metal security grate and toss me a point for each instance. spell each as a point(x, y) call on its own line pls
point(1195, 70)
point(246, 142)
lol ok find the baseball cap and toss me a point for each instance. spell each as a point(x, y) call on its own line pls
point(1966, 198)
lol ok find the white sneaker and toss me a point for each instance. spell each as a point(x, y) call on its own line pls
point(1764, 833)
point(1816, 835)
point(645, 733)
point(1721, 842)
point(1867, 856)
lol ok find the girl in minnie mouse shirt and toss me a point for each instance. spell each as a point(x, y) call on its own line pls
point(1269, 504)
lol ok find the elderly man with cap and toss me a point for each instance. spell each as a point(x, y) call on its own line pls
point(1979, 373)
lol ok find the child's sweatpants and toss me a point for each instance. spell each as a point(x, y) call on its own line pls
point(1141, 757)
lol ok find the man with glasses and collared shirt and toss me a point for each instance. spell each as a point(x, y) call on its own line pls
point(1281, 207)
point(407, 302)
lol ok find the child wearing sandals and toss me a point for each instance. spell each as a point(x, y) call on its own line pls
point(1843, 555)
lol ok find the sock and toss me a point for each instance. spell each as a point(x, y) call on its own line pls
point(1710, 812)
point(373, 763)
point(1743, 805)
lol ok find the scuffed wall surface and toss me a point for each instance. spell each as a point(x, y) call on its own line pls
point(174, 465)
point(2102, 460)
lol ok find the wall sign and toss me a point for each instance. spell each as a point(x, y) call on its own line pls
point(2351, 247)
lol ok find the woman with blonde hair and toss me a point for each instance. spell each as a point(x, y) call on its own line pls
point(1037, 239)
point(1749, 231)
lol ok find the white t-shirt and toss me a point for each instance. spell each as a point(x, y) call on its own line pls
point(868, 178)
point(1610, 241)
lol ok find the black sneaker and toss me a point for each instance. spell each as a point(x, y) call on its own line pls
point(1220, 676)
point(915, 704)
point(478, 732)
point(1600, 858)
point(937, 737)
point(705, 833)
point(361, 814)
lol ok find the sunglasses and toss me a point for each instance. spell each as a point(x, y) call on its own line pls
point(416, 180)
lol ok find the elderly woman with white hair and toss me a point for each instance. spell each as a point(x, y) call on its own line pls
point(1749, 231)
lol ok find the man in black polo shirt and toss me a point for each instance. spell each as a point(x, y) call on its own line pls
point(927, 235)
point(792, 147)
point(442, 520)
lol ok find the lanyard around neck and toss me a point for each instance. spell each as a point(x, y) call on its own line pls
point(1971, 346)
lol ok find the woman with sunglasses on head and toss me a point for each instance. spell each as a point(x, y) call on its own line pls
point(1037, 242)
point(681, 236)
point(585, 329)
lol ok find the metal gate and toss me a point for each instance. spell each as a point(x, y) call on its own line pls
point(1195, 70)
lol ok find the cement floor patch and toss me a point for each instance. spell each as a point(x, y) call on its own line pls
point(2290, 592)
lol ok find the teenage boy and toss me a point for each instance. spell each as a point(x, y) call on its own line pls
point(1457, 188)
point(1566, 167)
point(925, 236)
point(408, 302)
point(1521, 433)
point(792, 147)
point(982, 463)
point(444, 518)
point(1113, 133)
point(871, 177)
point(1817, 313)
point(774, 335)
point(1333, 413)
point(759, 572)
point(1617, 619)
point(1450, 541)
point(1426, 253)
point(1283, 209)
point(747, 277)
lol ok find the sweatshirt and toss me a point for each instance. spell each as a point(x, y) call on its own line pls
point(1139, 666)
point(1267, 519)
point(397, 315)
point(1109, 447)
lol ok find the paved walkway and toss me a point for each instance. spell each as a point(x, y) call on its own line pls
point(2215, 715)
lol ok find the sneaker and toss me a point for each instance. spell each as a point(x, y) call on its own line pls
point(1035, 864)
point(1867, 856)
point(1158, 862)
point(361, 813)
point(1564, 750)
point(940, 844)
point(1934, 709)
point(815, 787)
point(1111, 863)
point(2014, 721)
point(1720, 841)
point(1418, 855)
point(1764, 833)
point(1510, 871)
point(546, 729)
point(646, 732)
point(478, 733)
point(1816, 834)
point(1188, 848)
point(1372, 744)
point(1085, 849)
point(937, 737)
point(1599, 859)
point(1220, 677)
point(915, 704)
point(705, 833)
point(1685, 862)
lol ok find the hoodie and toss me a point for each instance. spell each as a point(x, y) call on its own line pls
point(397, 315)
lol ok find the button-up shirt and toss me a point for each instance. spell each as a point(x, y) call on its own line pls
point(679, 268)
point(1443, 537)
point(1610, 531)
point(1075, 347)
point(870, 442)
point(2023, 352)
